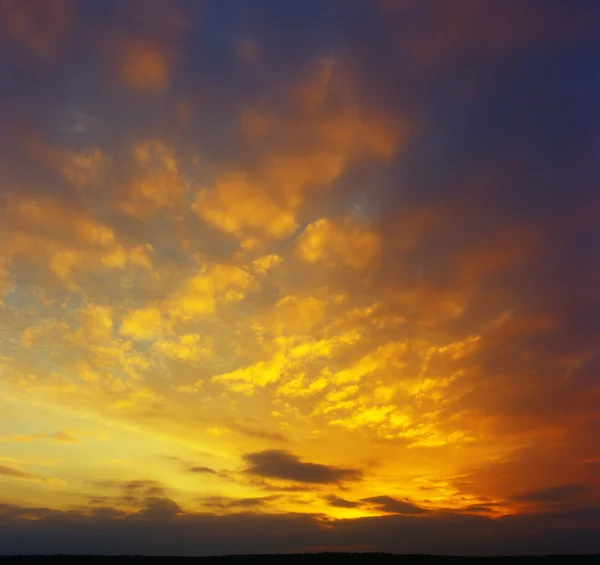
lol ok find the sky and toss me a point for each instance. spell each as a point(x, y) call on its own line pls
point(299, 276)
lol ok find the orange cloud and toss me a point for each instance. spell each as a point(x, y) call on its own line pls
point(313, 150)
point(236, 204)
point(346, 241)
point(508, 249)
point(81, 169)
point(142, 65)
point(40, 25)
point(61, 238)
point(156, 182)
point(143, 323)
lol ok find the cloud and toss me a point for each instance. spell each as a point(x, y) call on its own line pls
point(157, 509)
point(236, 205)
point(64, 437)
point(278, 464)
point(63, 241)
point(142, 64)
point(202, 470)
point(155, 183)
point(338, 502)
point(21, 438)
point(188, 347)
point(60, 436)
point(240, 504)
point(143, 323)
point(254, 432)
point(263, 203)
point(557, 493)
point(248, 51)
point(447, 32)
point(330, 241)
point(393, 505)
point(163, 529)
point(41, 26)
point(12, 473)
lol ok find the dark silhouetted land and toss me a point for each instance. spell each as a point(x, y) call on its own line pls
point(309, 558)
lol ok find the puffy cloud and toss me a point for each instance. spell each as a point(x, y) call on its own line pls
point(265, 204)
point(330, 241)
point(143, 323)
point(62, 239)
point(236, 204)
point(156, 182)
point(188, 348)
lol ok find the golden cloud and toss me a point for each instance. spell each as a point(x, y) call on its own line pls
point(143, 323)
point(236, 204)
point(61, 238)
point(189, 347)
point(331, 241)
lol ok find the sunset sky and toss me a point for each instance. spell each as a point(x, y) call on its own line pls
point(299, 275)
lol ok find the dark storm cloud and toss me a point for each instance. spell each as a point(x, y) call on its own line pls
point(393, 505)
point(279, 464)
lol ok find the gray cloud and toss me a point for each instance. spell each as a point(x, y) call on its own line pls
point(338, 502)
point(393, 505)
point(279, 464)
point(224, 502)
point(203, 470)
